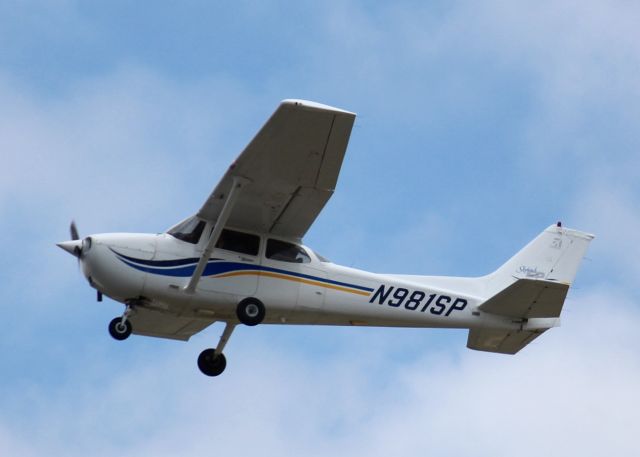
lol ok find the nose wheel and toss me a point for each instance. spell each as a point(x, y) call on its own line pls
point(120, 328)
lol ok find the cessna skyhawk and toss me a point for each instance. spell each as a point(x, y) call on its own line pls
point(240, 259)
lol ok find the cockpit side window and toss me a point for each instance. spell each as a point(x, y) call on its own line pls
point(244, 243)
point(286, 252)
point(189, 230)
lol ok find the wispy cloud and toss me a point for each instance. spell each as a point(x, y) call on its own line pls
point(481, 123)
point(106, 155)
point(580, 378)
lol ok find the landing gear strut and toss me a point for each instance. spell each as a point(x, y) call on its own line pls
point(250, 311)
point(212, 362)
point(120, 327)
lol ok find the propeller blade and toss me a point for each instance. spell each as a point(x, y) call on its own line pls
point(74, 231)
point(72, 247)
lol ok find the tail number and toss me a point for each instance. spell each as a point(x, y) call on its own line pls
point(417, 300)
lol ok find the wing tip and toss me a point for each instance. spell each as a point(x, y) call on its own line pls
point(314, 105)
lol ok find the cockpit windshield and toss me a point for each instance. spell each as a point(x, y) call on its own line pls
point(188, 230)
point(322, 258)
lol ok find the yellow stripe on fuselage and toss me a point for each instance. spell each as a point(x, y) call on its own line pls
point(294, 279)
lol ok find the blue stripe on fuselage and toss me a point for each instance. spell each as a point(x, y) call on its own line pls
point(159, 263)
point(216, 267)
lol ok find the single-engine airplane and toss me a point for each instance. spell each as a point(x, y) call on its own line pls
point(239, 259)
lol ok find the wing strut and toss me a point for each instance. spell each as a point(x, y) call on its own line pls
point(234, 192)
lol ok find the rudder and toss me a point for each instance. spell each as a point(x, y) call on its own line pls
point(554, 255)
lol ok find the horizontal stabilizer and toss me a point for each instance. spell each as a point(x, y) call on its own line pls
point(501, 341)
point(528, 298)
point(149, 322)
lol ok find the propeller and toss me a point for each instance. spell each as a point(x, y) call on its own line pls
point(77, 250)
point(74, 246)
point(74, 231)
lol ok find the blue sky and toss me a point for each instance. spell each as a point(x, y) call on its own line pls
point(479, 124)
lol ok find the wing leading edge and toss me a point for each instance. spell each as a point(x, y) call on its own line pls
point(292, 168)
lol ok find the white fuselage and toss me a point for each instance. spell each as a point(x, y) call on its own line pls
point(153, 270)
point(239, 259)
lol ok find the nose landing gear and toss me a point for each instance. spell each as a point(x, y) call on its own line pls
point(120, 327)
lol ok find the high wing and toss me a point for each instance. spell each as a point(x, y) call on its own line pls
point(291, 167)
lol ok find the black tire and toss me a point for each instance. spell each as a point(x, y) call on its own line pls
point(211, 364)
point(118, 330)
point(250, 311)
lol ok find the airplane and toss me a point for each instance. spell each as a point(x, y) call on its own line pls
point(240, 259)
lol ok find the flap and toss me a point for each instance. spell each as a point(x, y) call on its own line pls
point(150, 322)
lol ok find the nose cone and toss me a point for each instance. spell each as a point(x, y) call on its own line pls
point(72, 247)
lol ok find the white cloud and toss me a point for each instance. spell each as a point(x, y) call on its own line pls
point(122, 152)
point(92, 150)
point(572, 391)
point(610, 209)
point(97, 153)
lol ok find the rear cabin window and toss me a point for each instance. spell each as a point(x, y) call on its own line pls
point(244, 243)
point(286, 252)
point(189, 230)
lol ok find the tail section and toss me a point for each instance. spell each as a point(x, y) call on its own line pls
point(529, 290)
point(554, 256)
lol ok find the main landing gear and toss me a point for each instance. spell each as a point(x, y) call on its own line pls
point(250, 311)
point(212, 362)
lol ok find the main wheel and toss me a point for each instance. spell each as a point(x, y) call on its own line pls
point(250, 311)
point(119, 330)
point(210, 363)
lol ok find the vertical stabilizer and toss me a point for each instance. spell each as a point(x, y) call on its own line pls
point(554, 255)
